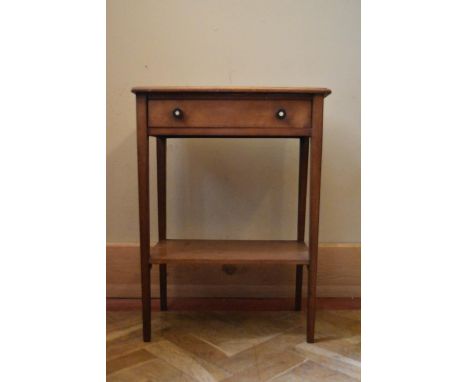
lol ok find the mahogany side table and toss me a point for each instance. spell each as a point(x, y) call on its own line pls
point(173, 112)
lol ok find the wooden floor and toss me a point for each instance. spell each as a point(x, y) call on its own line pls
point(234, 347)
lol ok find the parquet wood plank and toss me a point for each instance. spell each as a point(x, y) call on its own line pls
point(186, 362)
point(276, 346)
point(330, 360)
point(154, 370)
point(268, 369)
point(194, 345)
point(311, 372)
point(128, 360)
point(234, 346)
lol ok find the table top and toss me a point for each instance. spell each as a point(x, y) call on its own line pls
point(230, 89)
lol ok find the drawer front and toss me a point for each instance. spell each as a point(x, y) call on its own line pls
point(230, 113)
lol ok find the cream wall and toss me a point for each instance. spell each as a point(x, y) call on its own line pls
point(235, 188)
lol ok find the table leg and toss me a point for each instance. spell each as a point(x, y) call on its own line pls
point(143, 193)
point(298, 295)
point(161, 175)
point(314, 206)
point(301, 211)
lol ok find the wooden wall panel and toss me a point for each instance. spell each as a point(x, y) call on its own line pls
point(339, 275)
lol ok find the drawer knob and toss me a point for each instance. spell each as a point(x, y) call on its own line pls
point(177, 113)
point(281, 114)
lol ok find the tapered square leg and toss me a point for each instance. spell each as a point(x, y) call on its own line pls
point(143, 200)
point(301, 211)
point(298, 296)
point(311, 304)
point(314, 206)
point(163, 286)
point(161, 186)
point(146, 302)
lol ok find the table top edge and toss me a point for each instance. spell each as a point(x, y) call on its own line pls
point(230, 89)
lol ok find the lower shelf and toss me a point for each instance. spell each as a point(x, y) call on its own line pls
point(229, 252)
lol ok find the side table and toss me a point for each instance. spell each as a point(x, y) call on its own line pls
point(173, 112)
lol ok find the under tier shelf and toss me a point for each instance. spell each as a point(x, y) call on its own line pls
point(229, 252)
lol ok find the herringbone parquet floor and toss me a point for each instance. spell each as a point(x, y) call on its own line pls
point(234, 347)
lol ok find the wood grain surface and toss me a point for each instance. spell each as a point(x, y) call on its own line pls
point(229, 252)
point(228, 132)
point(229, 113)
point(234, 346)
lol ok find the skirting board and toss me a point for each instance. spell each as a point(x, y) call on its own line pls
point(339, 275)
